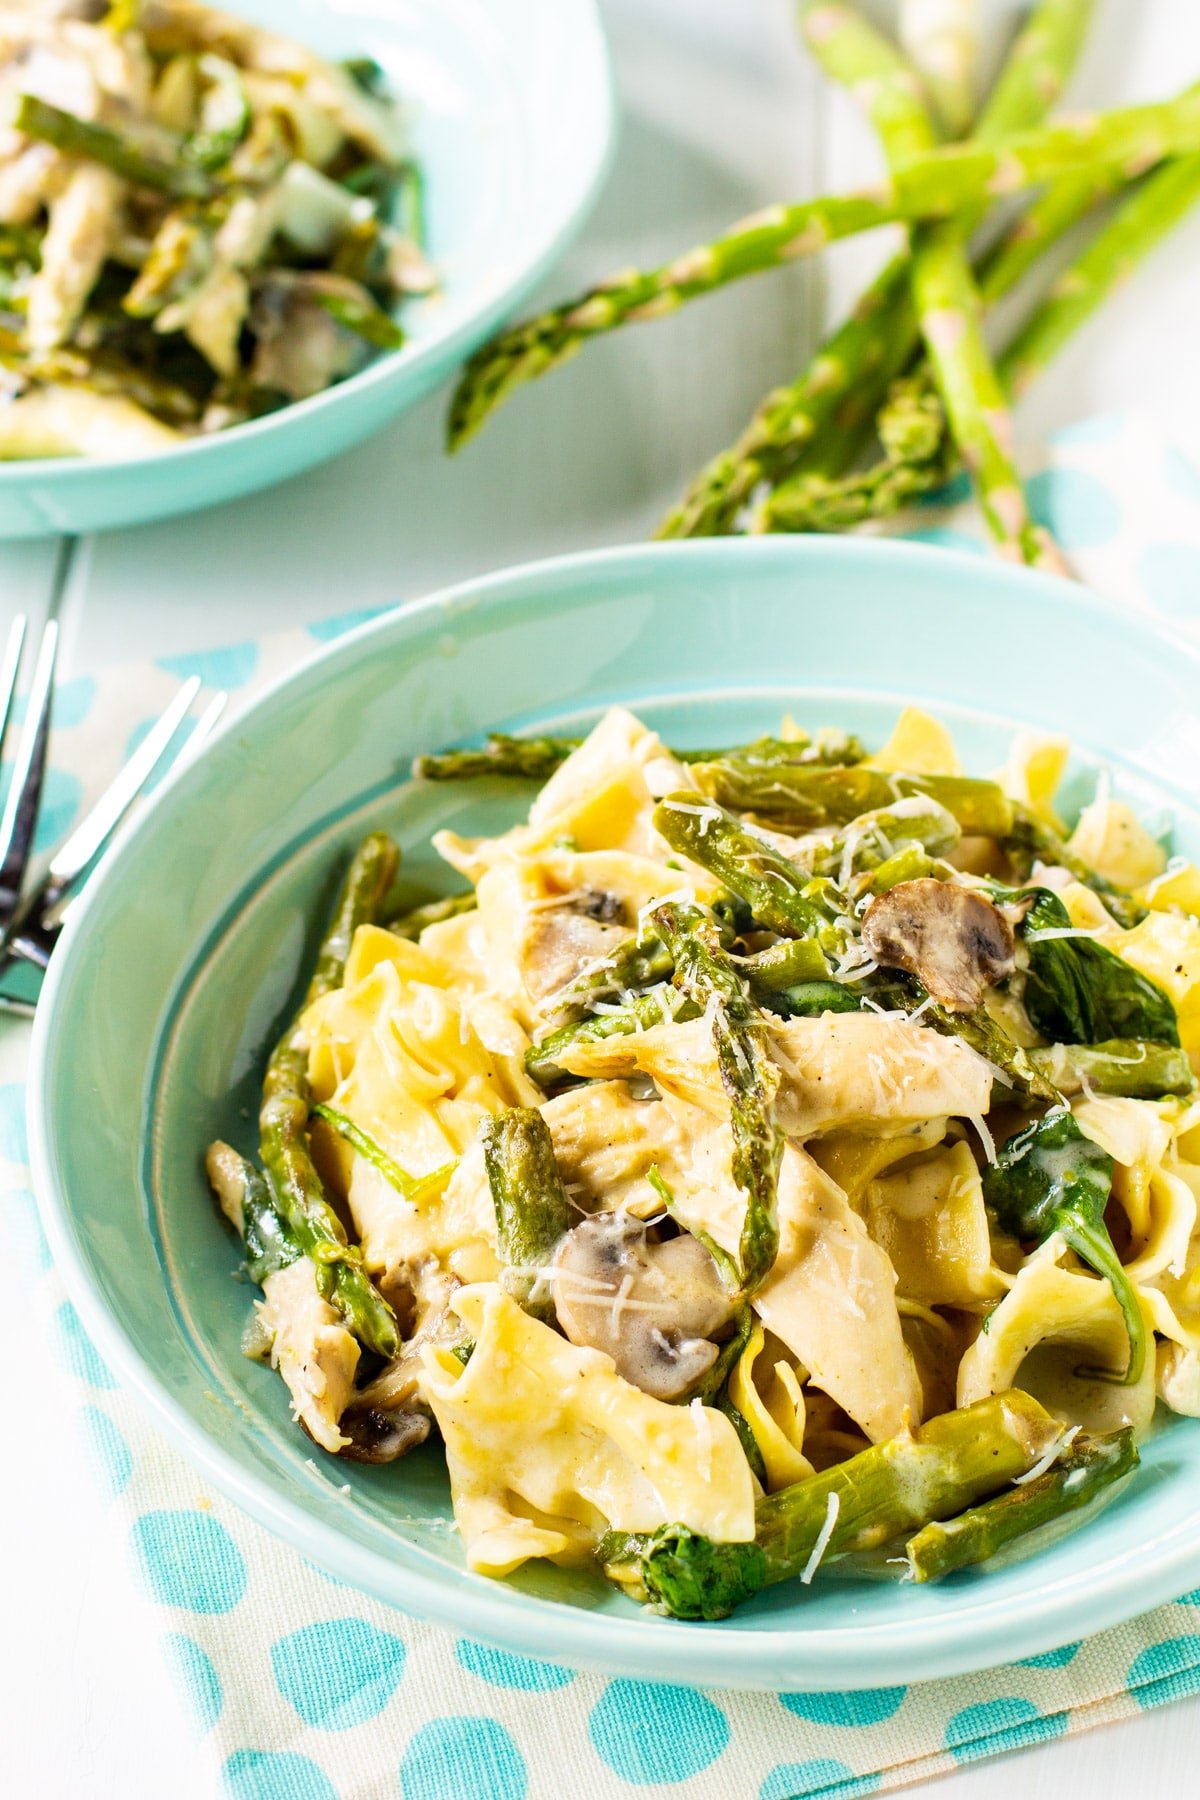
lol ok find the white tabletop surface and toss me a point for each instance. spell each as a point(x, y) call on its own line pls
point(721, 115)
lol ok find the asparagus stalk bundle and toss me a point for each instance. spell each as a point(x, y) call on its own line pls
point(796, 466)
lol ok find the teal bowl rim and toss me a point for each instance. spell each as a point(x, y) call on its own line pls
point(979, 1635)
point(411, 358)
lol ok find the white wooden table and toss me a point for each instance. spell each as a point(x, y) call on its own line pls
point(721, 115)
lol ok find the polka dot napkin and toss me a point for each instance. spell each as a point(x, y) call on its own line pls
point(299, 1688)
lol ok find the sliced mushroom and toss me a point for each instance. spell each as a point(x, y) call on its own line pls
point(375, 1436)
point(653, 1308)
point(561, 940)
point(949, 936)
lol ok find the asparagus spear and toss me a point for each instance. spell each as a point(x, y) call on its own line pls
point(639, 1013)
point(536, 758)
point(941, 38)
point(950, 311)
point(823, 497)
point(951, 315)
point(284, 1118)
point(859, 58)
point(416, 1188)
point(180, 179)
point(412, 923)
point(1083, 1469)
point(957, 178)
point(533, 1213)
point(710, 981)
point(809, 798)
point(781, 897)
point(947, 1465)
point(836, 395)
point(1130, 1066)
point(247, 1202)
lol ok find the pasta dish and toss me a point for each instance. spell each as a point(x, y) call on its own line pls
point(773, 1154)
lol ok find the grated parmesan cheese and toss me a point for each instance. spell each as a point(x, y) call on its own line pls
point(832, 1507)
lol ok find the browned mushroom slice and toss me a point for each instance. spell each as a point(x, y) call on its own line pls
point(561, 940)
point(376, 1436)
point(950, 937)
point(653, 1308)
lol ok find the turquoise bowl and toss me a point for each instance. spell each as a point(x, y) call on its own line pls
point(187, 951)
point(513, 120)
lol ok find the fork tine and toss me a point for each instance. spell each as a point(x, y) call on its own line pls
point(93, 832)
point(19, 820)
point(204, 727)
point(9, 668)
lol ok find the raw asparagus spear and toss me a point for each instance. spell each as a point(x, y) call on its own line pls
point(114, 149)
point(950, 311)
point(844, 384)
point(533, 1213)
point(941, 1469)
point(710, 981)
point(284, 1118)
point(1083, 1470)
point(957, 178)
point(951, 315)
point(861, 59)
point(834, 398)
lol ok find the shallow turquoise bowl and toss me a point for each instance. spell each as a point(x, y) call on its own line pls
point(186, 954)
point(512, 115)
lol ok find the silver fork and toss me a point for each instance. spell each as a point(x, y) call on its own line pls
point(32, 916)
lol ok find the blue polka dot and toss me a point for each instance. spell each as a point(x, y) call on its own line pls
point(1051, 1659)
point(463, 1759)
point(230, 667)
point(944, 537)
point(1170, 574)
point(1100, 428)
point(14, 1145)
point(107, 1451)
point(1191, 1599)
point(325, 630)
point(1166, 1671)
point(338, 1672)
point(1181, 472)
point(24, 1231)
point(648, 1732)
point(72, 703)
point(193, 1673)
point(867, 1707)
point(61, 795)
point(824, 1776)
point(275, 1775)
point(500, 1668)
point(188, 1559)
point(951, 493)
point(1074, 507)
point(76, 1351)
point(999, 1725)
